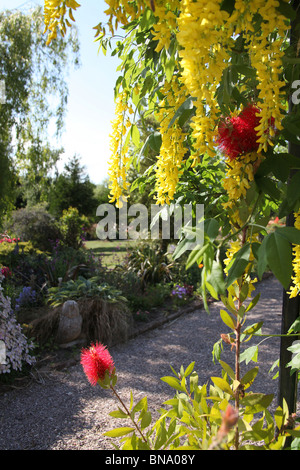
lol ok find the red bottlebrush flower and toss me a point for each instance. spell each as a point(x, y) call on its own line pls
point(237, 135)
point(95, 361)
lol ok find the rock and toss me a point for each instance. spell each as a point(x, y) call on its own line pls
point(70, 323)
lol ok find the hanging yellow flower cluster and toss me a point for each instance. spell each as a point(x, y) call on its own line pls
point(202, 37)
point(265, 56)
point(172, 148)
point(119, 160)
point(123, 12)
point(54, 16)
point(239, 175)
point(206, 34)
point(166, 24)
point(295, 289)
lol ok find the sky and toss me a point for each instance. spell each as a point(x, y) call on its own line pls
point(90, 108)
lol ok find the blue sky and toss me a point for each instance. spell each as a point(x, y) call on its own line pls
point(91, 101)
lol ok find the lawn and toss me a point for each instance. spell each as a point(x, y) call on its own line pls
point(111, 252)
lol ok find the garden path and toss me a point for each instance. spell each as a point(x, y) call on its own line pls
point(62, 411)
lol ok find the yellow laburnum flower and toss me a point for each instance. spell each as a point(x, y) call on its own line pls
point(239, 175)
point(54, 16)
point(172, 149)
point(119, 161)
point(295, 289)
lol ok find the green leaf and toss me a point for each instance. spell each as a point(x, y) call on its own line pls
point(189, 369)
point(135, 135)
point(211, 228)
point(216, 279)
point(250, 354)
point(155, 141)
point(222, 384)
point(253, 399)
point(188, 105)
point(228, 370)
point(174, 383)
point(195, 256)
point(295, 327)
point(141, 405)
point(118, 432)
point(227, 319)
point(262, 261)
point(294, 364)
point(118, 414)
point(279, 257)
point(249, 377)
point(291, 233)
point(240, 262)
point(293, 188)
point(250, 330)
point(253, 303)
point(146, 420)
point(268, 186)
point(286, 9)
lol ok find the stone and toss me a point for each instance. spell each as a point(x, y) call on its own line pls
point(70, 322)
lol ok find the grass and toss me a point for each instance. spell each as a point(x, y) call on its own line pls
point(111, 252)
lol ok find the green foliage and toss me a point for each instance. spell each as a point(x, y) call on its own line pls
point(83, 288)
point(153, 296)
point(66, 263)
point(36, 93)
point(195, 418)
point(36, 225)
point(72, 227)
point(73, 188)
point(150, 264)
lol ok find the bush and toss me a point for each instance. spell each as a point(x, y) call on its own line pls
point(67, 263)
point(72, 227)
point(150, 264)
point(81, 287)
point(152, 297)
point(34, 224)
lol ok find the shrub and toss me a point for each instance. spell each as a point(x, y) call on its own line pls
point(34, 224)
point(152, 297)
point(81, 287)
point(72, 227)
point(150, 264)
point(66, 263)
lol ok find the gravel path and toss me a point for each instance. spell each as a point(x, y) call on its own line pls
point(64, 412)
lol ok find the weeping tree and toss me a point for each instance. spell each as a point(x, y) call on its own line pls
point(36, 93)
point(221, 79)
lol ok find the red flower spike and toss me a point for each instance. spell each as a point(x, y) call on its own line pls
point(95, 361)
point(237, 135)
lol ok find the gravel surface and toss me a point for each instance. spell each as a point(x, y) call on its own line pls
point(62, 411)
